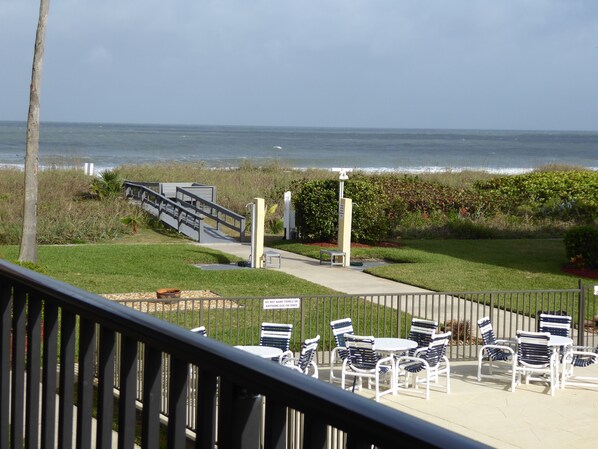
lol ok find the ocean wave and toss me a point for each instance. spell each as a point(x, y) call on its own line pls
point(373, 170)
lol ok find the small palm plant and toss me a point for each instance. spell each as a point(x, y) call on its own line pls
point(108, 185)
point(273, 224)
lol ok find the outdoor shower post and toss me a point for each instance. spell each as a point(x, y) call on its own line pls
point(257, 232)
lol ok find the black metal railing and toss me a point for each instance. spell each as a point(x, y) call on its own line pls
point(237, 320)
point(241, 401)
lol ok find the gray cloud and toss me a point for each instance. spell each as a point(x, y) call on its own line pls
point(388, 63)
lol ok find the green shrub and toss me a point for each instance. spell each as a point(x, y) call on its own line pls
point(564, 195)
point(459, 228)
point(316, 210)
point(582, 241)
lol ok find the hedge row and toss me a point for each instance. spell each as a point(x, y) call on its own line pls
point(383, 201)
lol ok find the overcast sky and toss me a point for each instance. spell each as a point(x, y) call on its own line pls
point(470, 64)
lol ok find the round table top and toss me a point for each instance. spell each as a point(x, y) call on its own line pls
point(266, 352)
point(394, 344)
point(558, 340)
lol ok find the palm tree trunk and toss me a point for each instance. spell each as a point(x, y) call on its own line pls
point(28, 250)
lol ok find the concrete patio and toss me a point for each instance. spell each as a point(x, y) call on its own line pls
point(485, 411)
point(489, 412)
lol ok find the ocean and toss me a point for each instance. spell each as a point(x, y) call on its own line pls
point(398, 150)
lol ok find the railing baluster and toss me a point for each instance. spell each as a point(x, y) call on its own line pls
point(67, 379)
point(87, 342)
point(152, 377)
point(276, 425)
point(239, 417)
point(18, 367)
point(177, 389)
point(5, 333)
point(49, 375)
point(34, 320)
point(205, 398)
point(128, 384)
point(315, 432)
point(105, 389)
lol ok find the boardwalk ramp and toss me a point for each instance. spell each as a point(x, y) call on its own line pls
point(190, 208)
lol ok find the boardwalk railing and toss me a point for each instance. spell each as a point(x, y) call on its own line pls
point(49, 332)
point(175, 215)
point(220, 215)
point(187, 212)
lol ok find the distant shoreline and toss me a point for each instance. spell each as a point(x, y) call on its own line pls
point(369, 170)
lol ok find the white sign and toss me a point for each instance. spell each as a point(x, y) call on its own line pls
point(282, 303)
point(595, 290)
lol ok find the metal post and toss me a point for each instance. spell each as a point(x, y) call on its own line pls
point(581, 315)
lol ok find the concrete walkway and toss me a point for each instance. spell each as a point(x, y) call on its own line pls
point(485, 411)
point(344, 280)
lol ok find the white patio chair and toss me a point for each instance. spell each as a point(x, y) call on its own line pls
point(421, 332)
point(535, 356)
point(493, 349)
point(364, 362)
point(201, 330)
point(555, 324)
point(339, 353)
point(306, 361)
point(579, 357)
point(277, 335)
point(430, 361)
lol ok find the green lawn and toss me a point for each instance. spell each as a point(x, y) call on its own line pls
point(119, 268)
point(441, 265)
point(466, 265)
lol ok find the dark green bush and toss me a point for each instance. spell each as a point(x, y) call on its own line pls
point(316, 210)
point(582, 241)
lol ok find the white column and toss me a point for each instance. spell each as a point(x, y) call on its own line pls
point(345, 216)
point(257, 233)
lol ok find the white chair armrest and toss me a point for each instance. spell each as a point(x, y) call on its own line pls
point(286, 358)
point(502, 347)
point(407, 358)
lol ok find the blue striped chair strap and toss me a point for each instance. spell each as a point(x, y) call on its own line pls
point(533, 349)
point(339, 329)
point(421, 332)
point(583, 360)
point(276, 335)
point(362, 354)
point(487, 331)
point(555, 324)
point(308, 352)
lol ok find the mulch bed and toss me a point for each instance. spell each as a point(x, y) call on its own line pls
point(591, 273)
point(148, 301)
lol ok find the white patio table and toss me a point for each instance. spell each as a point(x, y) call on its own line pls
point(557, 342)
point(394, 345)
point(265, 352)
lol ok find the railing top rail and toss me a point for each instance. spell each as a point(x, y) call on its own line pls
point(210, 203)
point(358, 416)
point(163, 199)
